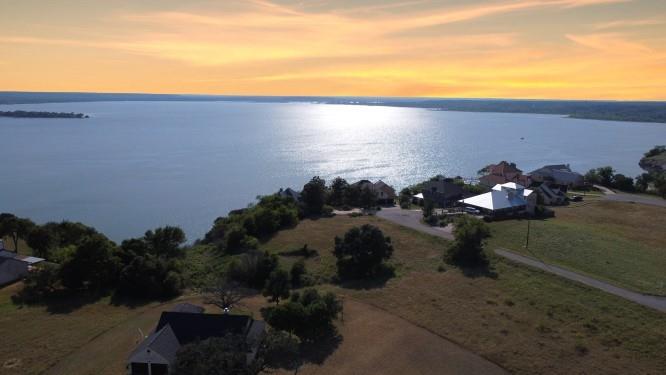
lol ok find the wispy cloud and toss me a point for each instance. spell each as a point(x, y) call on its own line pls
point(627, 23)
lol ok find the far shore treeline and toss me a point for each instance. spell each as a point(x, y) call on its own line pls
point(639, 111)
point(40, 114)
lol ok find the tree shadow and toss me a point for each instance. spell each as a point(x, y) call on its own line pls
point(60, 301)
point(479, 271)
point(383, 274)
point(317, 352)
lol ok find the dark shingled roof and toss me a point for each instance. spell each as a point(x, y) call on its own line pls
point(187, 308)
point(189, 327)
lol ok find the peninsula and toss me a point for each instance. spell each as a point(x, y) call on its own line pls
point(40, 114)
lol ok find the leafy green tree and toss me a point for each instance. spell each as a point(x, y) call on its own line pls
point(467, 248)
point(405, 198)
point(361, 252)
point(308, 315)
point(93, 265)
point(253, 268)
point(279, 349)
point(297, 271)
point(339, 188)
point(166, 241)
point(277, 286)
point(623, 182)
point(42, 241)
point(656, 150)
point(14, 227)
point(314, 195)
point(428, 208)
point(151, 276)
point(605, 175)
point(367, 198)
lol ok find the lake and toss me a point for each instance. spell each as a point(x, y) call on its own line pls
point(134, 166)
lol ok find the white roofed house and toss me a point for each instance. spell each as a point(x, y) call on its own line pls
point(504, 200)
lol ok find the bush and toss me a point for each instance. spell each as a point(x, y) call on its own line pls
point(216, 355)
point(39, 284)
point(277, 285)
point(327, 210)
point(314, 196)
point(362, 251)
point(253, 268)
point(308, 315)
point(467, 248)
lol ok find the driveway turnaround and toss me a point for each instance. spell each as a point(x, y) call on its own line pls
point(655, 302)
point(412, 219)
point(611, 195)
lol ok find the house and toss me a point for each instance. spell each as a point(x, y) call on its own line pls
point(502, 173)
point(504, 200)
point(442, 191)
point(559, 174)
point(384, 192)
point(551, 195)
point(289, 193)
point(187, 323)
point(14, 267)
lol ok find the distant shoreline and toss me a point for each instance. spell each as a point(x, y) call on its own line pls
point(41, 114)
point(628, 111)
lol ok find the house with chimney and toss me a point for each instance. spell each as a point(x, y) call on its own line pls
point(502, 173)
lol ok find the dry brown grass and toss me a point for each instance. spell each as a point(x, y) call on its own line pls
point(525, 320)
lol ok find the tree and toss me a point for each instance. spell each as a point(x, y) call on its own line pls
point(39, 284)
point(297, 271)
point(151, 276)
point(339, 188)
point(656, 150)
point(253, 268)
point(367, 198)
point(277, 286)
point(605, 175)
point(14, 227)
point(93, 265)
point(165, 241)
point(405, 198)
point(216, 355)
point(314, 195)
point(361, 252)
point(467, 248)
point(308, 315)
point(623, 182)
point(428, 208)
point(224, 293)
point(279, 349)
point(42, 240)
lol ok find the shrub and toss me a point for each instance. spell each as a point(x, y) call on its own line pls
point(253, 268)
point(93, 265)
point(39, 284)
point(467, 248)
point(308, 315)
point(277, 285)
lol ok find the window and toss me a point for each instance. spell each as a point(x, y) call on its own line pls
point(139, 368)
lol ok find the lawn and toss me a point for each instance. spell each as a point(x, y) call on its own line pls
point(525, 320)
point(619, 242)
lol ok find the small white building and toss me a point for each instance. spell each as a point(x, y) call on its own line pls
point(504, 199)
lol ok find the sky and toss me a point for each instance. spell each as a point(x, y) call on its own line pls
point(560, 49)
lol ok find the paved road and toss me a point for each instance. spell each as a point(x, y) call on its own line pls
point(412, 219)
point(611, 195)
point(658, 303)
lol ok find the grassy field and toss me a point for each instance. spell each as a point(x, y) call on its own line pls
point(620, 242)
point(525, 320)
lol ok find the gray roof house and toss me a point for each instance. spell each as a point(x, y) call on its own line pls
point(443, 192)
point(289, 193)
point(187, 323)
point(558, 174)
point(14, 267)
point(551, 195)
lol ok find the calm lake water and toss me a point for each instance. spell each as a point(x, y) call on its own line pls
point(133, 166)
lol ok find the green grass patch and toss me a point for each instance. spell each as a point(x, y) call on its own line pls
point(619, 242)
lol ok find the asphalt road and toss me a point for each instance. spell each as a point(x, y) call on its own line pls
point(412, 219)
point(611, 195)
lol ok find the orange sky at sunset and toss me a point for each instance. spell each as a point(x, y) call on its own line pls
point(579, 49)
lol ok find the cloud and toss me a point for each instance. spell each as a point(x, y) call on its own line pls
point(613, 43)
point(627, 23)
